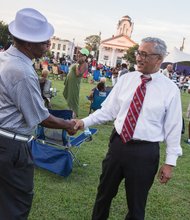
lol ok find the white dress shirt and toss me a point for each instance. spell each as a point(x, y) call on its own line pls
point(160, 118)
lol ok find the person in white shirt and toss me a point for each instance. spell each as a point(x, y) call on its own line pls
point(137, 160)
point(168, 71)
point(114, 77)
point(188, 117)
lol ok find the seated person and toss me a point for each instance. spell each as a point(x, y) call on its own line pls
point(98, 95)
point(57, 71)
point(45, 85)
point(100, 87)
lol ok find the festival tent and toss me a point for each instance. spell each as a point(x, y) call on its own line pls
point(177, 56)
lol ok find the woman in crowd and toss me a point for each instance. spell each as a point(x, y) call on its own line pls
point(73, 80)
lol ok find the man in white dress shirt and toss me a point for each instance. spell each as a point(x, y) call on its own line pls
point(160, 120)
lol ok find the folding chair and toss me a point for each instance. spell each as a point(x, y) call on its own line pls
point(96, 75)
point(53, 148)
point(52, 158)
point(77, 141)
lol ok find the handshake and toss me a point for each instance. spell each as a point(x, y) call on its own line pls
point(74, 125)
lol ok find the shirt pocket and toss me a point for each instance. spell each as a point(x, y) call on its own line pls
point(154, 111)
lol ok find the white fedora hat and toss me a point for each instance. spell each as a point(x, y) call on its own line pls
point(31, 26)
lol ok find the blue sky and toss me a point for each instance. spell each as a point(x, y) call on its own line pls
point(169, 20)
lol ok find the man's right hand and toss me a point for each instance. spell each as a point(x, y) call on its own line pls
point(59, 123)
point(71, 130)
point(79, 124)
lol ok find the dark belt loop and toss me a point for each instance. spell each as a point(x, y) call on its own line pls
point(113, 134)
point(14, 136)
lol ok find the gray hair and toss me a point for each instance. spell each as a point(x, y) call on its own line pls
point(160, 46)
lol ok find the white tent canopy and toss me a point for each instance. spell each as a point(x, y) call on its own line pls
point(177, 56)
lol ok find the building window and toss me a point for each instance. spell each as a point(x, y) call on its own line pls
point(64, 47)
point(59, 46)
point(120, 50)
point(119, 60)
point(107, 48)
point(106, 58)
point(53, 46)
point(57, 55)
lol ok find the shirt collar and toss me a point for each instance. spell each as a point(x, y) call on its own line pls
point(15, 52)
point(154, 75)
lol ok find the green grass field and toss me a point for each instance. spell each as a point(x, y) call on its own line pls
point(72, 198)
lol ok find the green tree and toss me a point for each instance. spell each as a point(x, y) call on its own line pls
point(130, 55)
point(49, 54)
point(92, 43)
point(4, 34)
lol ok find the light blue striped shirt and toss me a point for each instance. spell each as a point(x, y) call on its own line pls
point(21, 105)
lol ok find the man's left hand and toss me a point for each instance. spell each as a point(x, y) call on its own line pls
point(165, 173)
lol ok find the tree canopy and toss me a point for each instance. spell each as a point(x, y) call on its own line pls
point(4, 34)
point(130, 55)
point(92, 42)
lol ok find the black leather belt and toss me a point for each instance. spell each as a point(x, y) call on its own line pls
point(14, 136)
point(138, 141)
point(133, 141)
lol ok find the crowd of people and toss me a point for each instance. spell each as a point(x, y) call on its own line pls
point(76, 71)
point(181, 79)
point(141, 121)
point(183, 82)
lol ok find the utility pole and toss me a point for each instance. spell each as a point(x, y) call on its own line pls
point(73, 49)
point(98, 45)
point(182, 46)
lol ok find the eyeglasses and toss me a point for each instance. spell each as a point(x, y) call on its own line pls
point(145, 55)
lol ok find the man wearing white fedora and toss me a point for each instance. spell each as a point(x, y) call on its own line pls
point(22, 109)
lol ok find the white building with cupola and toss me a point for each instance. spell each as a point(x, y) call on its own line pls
point(112, 50)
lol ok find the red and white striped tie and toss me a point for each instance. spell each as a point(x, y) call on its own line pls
point(134, 110)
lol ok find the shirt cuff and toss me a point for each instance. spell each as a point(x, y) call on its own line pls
point(171, 160)
point(87, 122)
